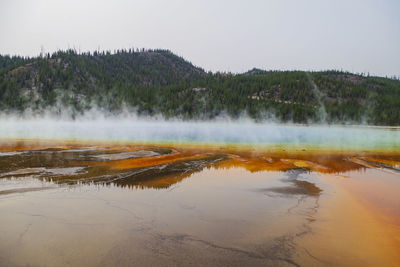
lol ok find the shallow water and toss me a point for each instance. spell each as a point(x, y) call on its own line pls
point(71, 204)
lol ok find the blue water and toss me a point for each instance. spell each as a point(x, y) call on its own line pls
point(343, 137)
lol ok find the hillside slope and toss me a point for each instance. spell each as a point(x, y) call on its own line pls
point(159, 82)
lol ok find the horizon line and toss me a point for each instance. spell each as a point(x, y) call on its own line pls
point(43, 54)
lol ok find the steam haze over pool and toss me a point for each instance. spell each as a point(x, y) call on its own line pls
point(199, 133)
point(218, 131)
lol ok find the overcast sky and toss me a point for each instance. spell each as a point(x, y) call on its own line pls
point(226, 35)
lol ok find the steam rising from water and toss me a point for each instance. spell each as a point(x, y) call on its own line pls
point(224, 132)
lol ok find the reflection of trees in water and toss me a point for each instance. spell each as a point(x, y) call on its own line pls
point(100, 171)
point(166, 167)
point(286, 161)
point(165, 175)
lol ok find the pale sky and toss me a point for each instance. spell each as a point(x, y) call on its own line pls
point(226, 35)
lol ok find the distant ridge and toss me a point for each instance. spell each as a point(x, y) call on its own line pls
point(155, 82)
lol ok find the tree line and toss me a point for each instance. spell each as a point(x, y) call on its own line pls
point(158, 82)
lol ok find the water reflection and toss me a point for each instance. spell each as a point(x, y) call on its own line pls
point(147, 205)
point(156, 167)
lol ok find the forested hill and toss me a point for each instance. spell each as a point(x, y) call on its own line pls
point(155, 82)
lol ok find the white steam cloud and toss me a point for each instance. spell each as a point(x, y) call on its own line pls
point(95, 126)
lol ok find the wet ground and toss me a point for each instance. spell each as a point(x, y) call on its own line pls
point(70, 204)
